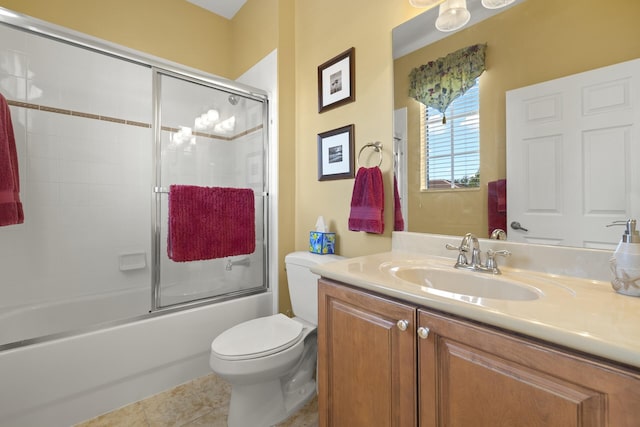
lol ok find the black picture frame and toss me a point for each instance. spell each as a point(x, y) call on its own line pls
point(336, 81)
point(336, 153)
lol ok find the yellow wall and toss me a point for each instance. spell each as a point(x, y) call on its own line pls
point(173, 29)
point(323, 30)
point(533, 42)
point(286, 143)
point(246, 43)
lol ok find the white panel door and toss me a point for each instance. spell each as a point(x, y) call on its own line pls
point(573, 147)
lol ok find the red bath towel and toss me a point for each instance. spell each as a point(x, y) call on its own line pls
point(367, 201)
point(497, 205)
point(210, 222)
point(398, 219)
point(10, 205)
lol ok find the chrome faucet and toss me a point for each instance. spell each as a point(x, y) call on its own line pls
point(476, 257)
point(498, 234)
point(470, 244)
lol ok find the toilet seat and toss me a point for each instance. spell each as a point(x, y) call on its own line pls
point(257, 338)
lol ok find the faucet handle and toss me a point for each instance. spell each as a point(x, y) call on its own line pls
point(455, 248)
point(491, 259)
point(462, 249)
point(501, 252)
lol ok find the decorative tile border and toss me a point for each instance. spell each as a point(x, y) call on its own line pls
point(48, 109)
point(55, 110)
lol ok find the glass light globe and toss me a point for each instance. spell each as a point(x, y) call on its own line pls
point(496, 4)
point(453, 15)
point(424, 3)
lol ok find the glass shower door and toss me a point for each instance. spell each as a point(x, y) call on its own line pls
point(214, 142)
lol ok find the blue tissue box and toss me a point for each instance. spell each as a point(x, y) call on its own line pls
point(322, 243)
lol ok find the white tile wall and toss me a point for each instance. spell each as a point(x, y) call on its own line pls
point(84, 182)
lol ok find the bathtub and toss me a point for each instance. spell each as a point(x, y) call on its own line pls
point(63, 381)
point(52, 317)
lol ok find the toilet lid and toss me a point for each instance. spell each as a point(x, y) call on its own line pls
point(257, 338)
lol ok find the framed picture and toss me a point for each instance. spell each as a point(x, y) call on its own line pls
point(336, 81)
point(335, 154)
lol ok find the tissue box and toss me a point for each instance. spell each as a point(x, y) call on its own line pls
point(322, 243)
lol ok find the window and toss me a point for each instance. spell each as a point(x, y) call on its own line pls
point(451, 150)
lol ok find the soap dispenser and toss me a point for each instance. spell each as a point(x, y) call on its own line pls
point(625, 262)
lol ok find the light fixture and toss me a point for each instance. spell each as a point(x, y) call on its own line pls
point(496, 4)
point(5, 12)
point(425, 3)
point(453, 15)
point(226, 126)
point(206, 120)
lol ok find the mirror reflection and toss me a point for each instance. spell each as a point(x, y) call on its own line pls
point(531, 42)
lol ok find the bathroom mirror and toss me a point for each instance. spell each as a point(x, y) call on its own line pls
point(531, 42)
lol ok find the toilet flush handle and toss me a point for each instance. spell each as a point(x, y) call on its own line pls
point(403, 325)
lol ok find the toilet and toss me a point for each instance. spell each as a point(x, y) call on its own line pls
point(270, 361)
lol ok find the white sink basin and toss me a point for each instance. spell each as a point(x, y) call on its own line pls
point(466, 283)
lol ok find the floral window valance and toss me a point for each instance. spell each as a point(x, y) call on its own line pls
point(438, 83)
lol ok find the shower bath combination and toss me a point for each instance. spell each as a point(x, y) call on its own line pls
point(90, 262)
point(99, 211)
point(88, 184)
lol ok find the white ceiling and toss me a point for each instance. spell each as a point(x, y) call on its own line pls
point(226, 8)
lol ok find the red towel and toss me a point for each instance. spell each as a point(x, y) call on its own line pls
point(10, 205)
point(210, 222)
point(497, 205)
point(398, 220)
point(501, 190)
point(367, 201)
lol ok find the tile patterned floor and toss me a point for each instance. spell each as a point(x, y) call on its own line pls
point(201, 402)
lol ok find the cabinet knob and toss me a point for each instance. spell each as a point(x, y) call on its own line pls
point(403, 325)
point(423, 332)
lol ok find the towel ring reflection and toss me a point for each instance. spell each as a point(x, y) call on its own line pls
point(376, 146)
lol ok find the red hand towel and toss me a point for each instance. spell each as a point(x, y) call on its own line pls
point(10, 205)
point(501, 190)
point(398, 220)
point(497, 205)
point(367, 201)
point(210, 222)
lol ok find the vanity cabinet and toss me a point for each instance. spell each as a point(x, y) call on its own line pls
point(473, 375)
point(366, 359)
point(441, 370)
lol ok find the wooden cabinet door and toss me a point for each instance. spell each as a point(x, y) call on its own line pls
point(366, 362)
point(470, 375)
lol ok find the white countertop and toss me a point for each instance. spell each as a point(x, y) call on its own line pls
point(582, 313)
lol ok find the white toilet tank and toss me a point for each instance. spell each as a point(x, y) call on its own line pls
point(303, 284)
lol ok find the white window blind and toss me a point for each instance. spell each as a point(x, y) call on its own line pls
point(451, 150)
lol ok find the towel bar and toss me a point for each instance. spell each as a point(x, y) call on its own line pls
point(165, 190)
point(377, 146)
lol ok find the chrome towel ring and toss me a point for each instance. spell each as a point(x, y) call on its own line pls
point(376, 146)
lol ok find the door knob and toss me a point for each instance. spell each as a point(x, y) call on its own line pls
point(403, 325)
point(516, 226)
point(423, 332)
